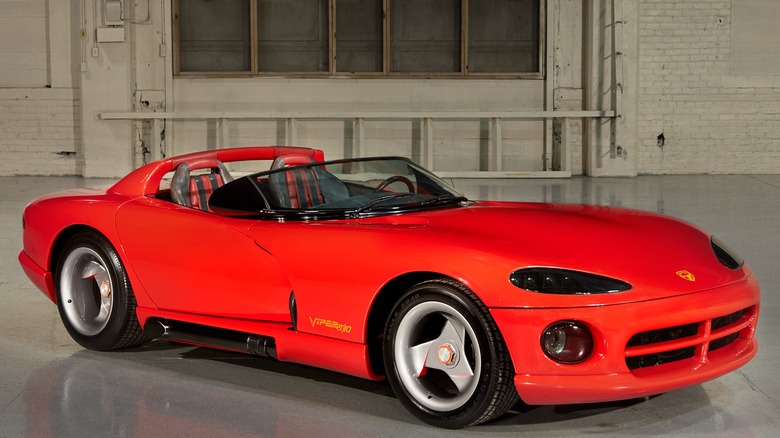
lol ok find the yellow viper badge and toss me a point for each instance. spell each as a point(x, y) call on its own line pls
point(686, 275)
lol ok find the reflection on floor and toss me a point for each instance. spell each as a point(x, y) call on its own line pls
point(50, 386)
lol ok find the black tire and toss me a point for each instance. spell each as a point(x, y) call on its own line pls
point(94, 296)
point(445, 358)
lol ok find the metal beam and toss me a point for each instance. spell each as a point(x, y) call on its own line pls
point(340, 115)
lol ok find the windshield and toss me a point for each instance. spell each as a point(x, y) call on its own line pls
point(343, 188)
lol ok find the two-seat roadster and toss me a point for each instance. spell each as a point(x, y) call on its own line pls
point(375, 268)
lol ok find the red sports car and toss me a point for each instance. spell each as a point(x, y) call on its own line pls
point(376, 268)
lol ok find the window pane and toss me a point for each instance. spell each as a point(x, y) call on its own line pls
point(425, 36)
point(359, 35)
point(293, 35)
point(503, 36)
point(214, 35)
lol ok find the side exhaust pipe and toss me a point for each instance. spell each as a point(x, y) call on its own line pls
point(222, 339)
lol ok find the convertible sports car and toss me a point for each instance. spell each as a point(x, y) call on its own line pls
point(376, 268)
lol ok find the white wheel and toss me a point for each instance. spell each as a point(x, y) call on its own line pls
point(86, 291)
point(94, 296)
point(440, 373)
point(445, 357)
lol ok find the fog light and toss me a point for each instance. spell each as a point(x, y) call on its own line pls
point(567, 342)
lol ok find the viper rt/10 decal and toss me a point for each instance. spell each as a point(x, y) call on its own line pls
point(342, 328)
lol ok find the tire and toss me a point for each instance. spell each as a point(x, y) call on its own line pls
point(445, 358)
point(94, 296)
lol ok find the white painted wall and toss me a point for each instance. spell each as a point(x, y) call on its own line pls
point(23, 52)
point(457, 146)
point(39, 104)
point(702, 72)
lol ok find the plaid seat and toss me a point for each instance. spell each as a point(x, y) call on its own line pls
point(194, 190)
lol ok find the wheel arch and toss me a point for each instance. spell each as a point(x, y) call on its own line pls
point(382, 306)
point(61, 240)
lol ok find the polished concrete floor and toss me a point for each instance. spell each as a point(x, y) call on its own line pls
point(49, 386)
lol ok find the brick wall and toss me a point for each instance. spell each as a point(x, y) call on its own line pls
point(716, 114)
point(40, 131)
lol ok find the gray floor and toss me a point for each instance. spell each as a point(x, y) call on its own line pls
point(51, 386)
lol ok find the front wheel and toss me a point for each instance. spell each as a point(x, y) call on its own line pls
point(445, 358)
point(94, 296)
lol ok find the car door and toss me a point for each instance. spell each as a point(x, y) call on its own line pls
point(198, 262)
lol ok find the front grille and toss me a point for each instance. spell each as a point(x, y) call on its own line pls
point(687, 341)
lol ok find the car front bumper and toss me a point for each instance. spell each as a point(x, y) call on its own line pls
point(724, 321)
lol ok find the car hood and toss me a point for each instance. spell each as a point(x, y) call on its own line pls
point(658, 255)
point(483, 243)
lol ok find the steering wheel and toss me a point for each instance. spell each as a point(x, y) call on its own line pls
point(392, 179)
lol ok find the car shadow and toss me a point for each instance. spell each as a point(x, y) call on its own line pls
point(308, 385)
point(520, 414)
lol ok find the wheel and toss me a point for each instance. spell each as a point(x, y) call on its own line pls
point(445, 358)
point(94, 296)
point(397, 178)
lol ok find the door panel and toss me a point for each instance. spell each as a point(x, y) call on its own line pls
point(197, 262)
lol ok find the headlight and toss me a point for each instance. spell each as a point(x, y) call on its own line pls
point(565, 282)
point(726, 255)
point(567, 342)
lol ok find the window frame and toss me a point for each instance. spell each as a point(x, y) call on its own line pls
point(386, 73)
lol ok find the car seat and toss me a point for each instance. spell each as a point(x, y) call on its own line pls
point(194, 190)
point(306, 186)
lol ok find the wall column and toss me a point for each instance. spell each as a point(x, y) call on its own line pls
point(105, 85)
point(611, 82)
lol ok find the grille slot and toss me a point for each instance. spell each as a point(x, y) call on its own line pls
point(650, 360)
point(663, 335)
point(723, 321)
point(722, 342)
point(687, 341)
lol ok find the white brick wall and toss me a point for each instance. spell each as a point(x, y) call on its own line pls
point(713, 119)
point(40, 131)
point(23, 55)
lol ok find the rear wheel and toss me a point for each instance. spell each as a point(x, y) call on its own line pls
point(94, 296)
point(445, 358)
